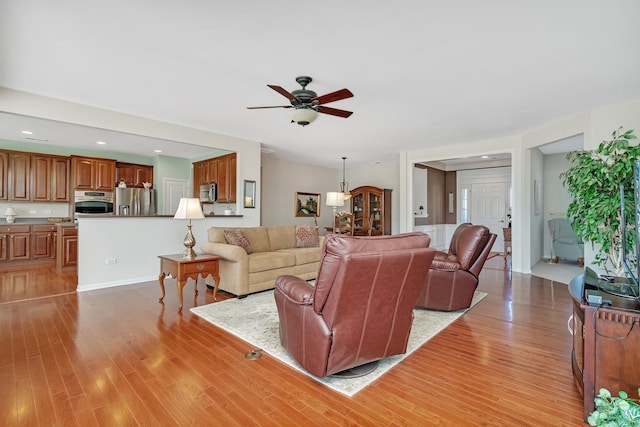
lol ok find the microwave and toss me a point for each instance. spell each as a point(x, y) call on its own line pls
point(208, 192)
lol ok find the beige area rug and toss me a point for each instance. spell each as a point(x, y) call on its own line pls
point(254, 319)
point(561, 272)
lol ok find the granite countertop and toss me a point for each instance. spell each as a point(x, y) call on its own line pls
point(37, 221)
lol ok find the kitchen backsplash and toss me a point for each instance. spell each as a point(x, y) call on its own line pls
point(35, 210)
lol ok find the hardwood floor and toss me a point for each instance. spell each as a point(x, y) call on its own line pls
point(118, 357)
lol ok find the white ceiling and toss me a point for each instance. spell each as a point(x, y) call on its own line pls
point(424, 73)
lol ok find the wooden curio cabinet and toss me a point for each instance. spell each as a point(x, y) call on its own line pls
point(371, 209)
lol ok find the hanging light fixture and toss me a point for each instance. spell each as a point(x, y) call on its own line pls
point(344, 185)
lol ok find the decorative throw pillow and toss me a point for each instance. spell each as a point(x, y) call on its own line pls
point(237, 237)
point(307, 236)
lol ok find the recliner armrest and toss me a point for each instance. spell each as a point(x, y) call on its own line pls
point(295, 289)
point(445, 264)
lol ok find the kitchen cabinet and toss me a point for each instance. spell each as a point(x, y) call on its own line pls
point(40, 178)
point(67, 249)
point(60, 179)
point(133, 174)
point(371, 209)
point(34, 177)
point(43, 241)
point(217, 170)
point(90, 173)
point(16, 242)
point(4, 179)
point(223, 180)
point(19, 174)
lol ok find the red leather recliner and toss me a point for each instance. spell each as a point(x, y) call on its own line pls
point(361, 307)
point(453, 277)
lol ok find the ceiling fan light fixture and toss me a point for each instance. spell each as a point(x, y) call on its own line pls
point(303, 116)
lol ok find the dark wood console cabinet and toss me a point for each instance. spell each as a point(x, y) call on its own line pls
point(606, 345)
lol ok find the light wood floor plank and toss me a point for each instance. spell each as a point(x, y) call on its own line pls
point(118, 357)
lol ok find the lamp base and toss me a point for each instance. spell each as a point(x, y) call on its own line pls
point(189, 243)
point(189, 253)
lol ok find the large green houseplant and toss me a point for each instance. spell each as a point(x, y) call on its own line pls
point(594, 182)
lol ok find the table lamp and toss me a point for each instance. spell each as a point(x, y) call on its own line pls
point(335, 199)
point(11, 215)
point(189, 209)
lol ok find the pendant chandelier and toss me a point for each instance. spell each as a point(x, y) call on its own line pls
point(344, 185)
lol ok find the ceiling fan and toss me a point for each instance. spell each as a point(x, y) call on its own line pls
point(307, 104)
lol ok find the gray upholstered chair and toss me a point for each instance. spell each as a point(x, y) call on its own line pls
point(566, 244)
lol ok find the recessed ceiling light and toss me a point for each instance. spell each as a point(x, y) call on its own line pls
point(158, 151)
point(101, 143)
point(27, 132)
point(484, 157)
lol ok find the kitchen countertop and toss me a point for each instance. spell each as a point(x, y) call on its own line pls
point(36, 221)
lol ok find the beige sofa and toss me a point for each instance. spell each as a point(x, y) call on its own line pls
point(273, 253)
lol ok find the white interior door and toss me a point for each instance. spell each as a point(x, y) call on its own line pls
point(489, 208)
point(173, 190)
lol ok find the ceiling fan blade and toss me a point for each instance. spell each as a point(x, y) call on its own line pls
point(272, 106)
point(283, 92)
point(334, 111)
point(333, 96)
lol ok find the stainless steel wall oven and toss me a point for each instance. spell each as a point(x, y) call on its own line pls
point(93, 203)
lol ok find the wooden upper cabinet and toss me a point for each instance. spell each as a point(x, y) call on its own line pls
point(223, 179)
point(217, 170)
point(133, 175)
point(232, 178)
point(40, 178)
point(4, 177)
point(93, 174)
point(82, 170)
point(143, 174)
point(105, 175)
point(19, 176)
point(60, 179)
point(212, 172)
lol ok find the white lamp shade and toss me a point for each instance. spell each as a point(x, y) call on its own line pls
point(335, 199)
point(10, 211)
point(189, 209)
point(303, 116)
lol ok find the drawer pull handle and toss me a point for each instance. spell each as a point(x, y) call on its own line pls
point(200, 266)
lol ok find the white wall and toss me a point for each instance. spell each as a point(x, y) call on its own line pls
point(281, 180)
point(595, 125)
point(135, 243)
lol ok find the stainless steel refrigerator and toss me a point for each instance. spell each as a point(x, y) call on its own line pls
point(135, 201)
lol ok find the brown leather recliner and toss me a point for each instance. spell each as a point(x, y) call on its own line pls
point(361, 307)
point(453, 277)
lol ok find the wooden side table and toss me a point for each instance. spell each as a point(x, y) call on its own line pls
point(183, 268)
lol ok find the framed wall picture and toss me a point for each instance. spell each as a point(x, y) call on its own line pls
point(307, 204)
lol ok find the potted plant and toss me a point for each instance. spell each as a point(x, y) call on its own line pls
point(615, 411)
point(594, 182)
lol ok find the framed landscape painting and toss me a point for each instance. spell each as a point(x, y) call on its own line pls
point(307, 204)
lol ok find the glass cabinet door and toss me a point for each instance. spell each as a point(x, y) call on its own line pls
point(357, 210)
